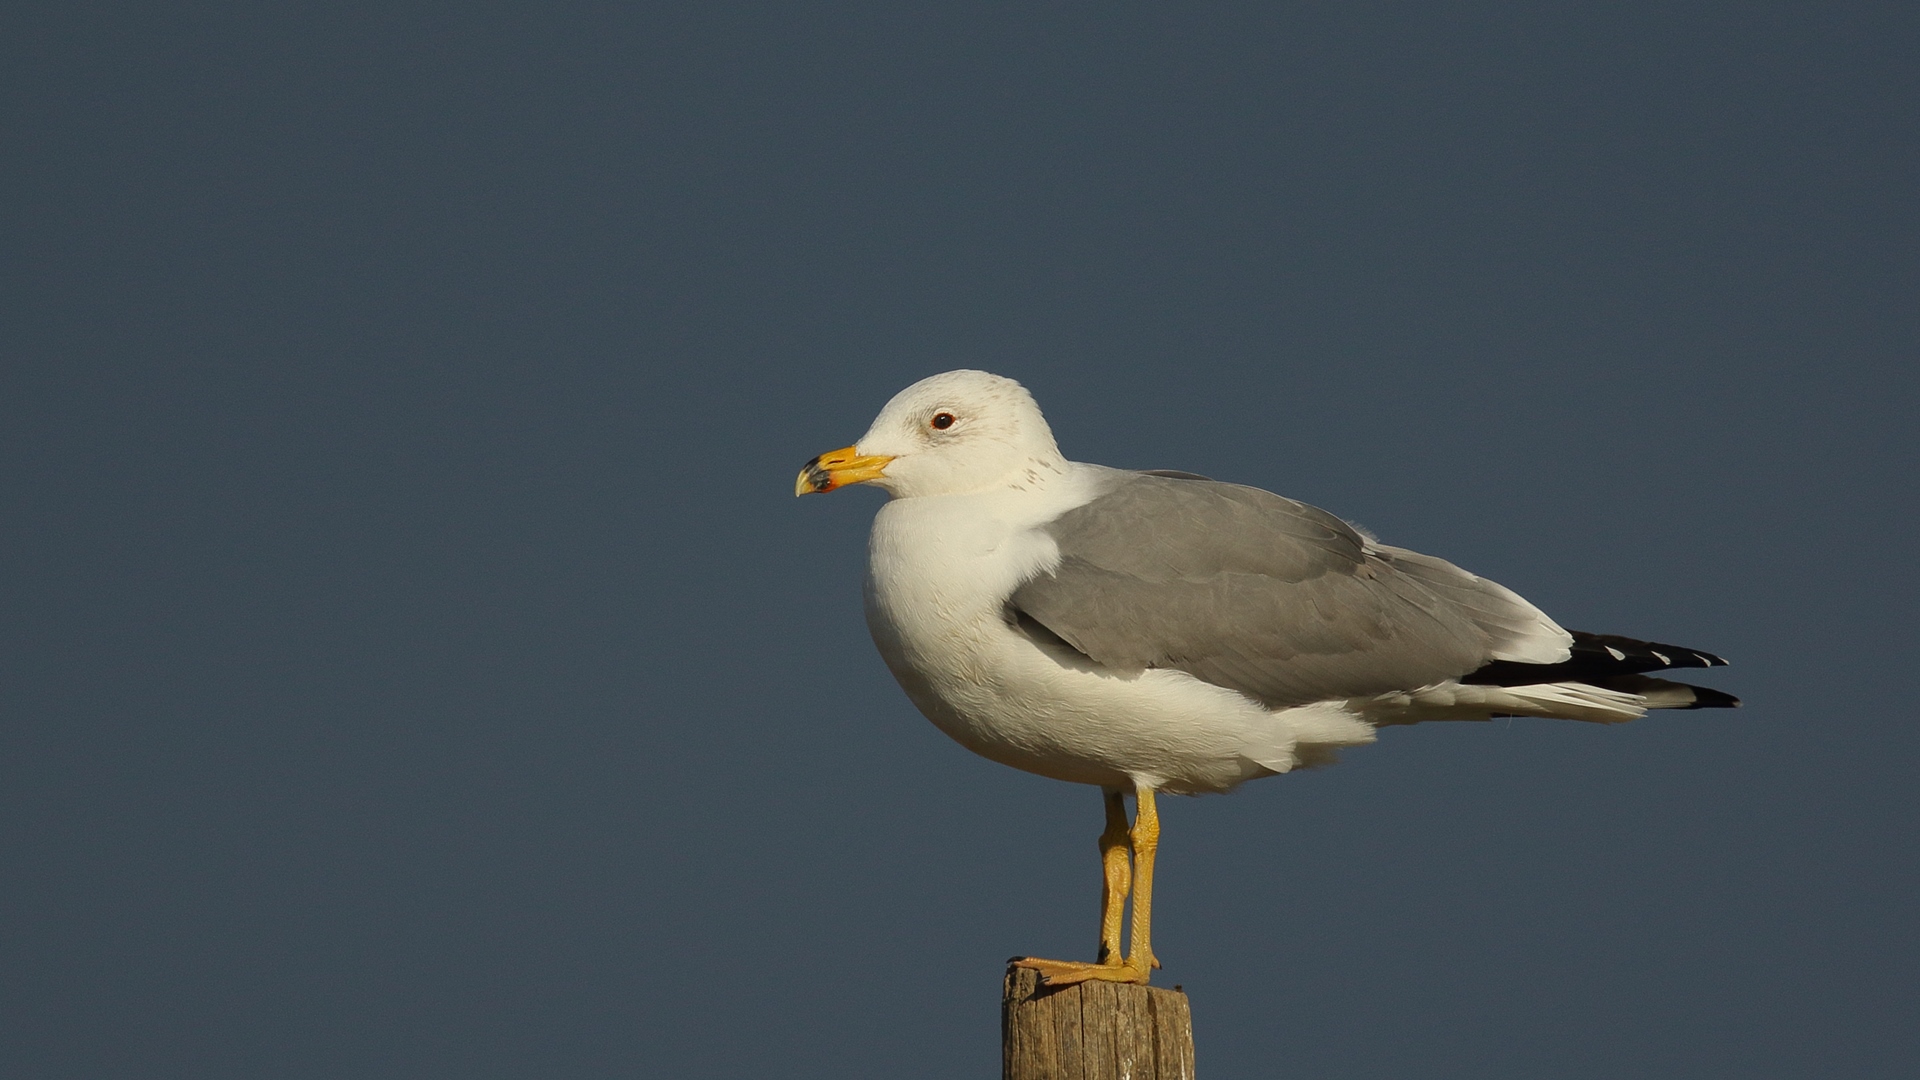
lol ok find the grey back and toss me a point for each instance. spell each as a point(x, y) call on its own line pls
point(1245, 589)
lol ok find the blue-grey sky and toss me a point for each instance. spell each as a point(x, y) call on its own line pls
point(416, 664)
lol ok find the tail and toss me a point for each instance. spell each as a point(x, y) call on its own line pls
point(1603, 681)
point(1617, 663)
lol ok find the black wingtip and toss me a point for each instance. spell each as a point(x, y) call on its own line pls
point(1637, 655)
point(1595, 658)
point(1705, 697)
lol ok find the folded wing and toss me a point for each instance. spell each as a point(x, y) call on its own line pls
point(1276, 599)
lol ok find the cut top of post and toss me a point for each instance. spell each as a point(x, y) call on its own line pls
point(1093, 1031)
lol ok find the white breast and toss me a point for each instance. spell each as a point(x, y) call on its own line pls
point(939, 572)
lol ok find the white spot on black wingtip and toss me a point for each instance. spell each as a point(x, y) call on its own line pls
point(1616, 653)
point(1660, 656)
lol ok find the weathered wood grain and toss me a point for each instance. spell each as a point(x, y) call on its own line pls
point(1093, 1031)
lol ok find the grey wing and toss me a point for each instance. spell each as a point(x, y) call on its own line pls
point(1273, 598)
point(1515, 629)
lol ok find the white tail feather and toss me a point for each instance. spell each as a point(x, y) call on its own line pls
point(1457, 701)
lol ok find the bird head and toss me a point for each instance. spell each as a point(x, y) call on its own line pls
point(950, 434)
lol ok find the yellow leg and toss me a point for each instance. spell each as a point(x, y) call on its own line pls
point(1143, 840)
point(1146, 841)
point(1116, 872)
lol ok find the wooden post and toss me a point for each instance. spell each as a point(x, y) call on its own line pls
point(1093, 1031)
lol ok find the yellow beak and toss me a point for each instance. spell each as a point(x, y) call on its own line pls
point(838, 468)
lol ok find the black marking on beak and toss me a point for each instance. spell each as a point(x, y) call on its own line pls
point(817, 477)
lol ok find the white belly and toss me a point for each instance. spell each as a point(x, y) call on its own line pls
point(937, 579)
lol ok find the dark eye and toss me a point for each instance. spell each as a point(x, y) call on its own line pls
point(941, 421)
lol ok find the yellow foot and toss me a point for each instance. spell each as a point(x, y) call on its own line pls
point(1068, 972)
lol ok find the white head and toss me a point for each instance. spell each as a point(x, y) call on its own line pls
point(950, 434)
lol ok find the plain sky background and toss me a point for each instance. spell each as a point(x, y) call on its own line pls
point(416, 664)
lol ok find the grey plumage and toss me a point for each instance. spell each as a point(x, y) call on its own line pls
point(1276, 599)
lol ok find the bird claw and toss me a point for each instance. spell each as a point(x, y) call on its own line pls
point(1068, 972)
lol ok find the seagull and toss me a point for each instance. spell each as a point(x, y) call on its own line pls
point(1158, 631)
